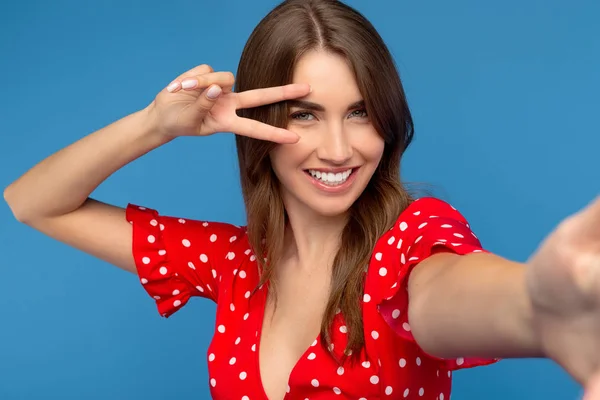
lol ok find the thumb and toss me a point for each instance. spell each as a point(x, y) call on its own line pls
point(593, 209)
point(208, 97)
point(589, 218)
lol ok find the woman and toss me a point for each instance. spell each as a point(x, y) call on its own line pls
point(318, 296)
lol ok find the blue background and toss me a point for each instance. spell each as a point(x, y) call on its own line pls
point(505, 101)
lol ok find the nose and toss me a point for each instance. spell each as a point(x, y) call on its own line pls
point(335, 147)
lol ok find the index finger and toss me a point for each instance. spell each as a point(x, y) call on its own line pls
point(261, 97)
point(259, 130)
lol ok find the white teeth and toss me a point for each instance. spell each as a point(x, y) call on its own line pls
point(330, 178)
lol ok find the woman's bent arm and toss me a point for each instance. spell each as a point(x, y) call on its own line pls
point(53, 196)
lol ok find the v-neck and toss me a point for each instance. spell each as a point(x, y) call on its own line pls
point(263, 306)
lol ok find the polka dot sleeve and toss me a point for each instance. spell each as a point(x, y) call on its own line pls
point(179, 258)
point(427, 226)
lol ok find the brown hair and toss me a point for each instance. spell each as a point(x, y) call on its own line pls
point(290, 30)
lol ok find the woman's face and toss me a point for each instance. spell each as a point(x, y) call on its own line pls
point(338, 151)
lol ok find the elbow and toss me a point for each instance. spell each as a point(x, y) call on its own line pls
point(7, 199)
point(12, 203)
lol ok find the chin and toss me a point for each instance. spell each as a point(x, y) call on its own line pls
point(332, 208)
point(332, 213)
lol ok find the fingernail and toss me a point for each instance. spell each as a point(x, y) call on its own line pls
point(173, 86)
point(213, 92)
point(189, 83)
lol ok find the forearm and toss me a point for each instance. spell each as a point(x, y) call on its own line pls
point(62, 182)
point(474, 305)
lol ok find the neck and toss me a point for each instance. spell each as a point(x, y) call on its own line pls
point(312, 240)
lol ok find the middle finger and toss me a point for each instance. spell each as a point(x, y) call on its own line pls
point(201, 82)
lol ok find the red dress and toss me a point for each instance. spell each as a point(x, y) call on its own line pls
point(179, 258)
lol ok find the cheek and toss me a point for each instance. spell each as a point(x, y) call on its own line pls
point(370, 146)
point(378, 150)
point(286, 156)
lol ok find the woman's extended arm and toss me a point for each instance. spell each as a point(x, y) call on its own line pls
point(483, 305)
point(473, 305)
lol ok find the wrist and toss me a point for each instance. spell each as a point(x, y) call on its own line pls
point(530, 334)
point(150, 126)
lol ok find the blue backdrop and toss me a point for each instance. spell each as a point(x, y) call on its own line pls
point(505, 100)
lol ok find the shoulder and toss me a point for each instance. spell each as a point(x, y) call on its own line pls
point(426, 226)
point(427, 212)
point(426, 223)
point(430, 208)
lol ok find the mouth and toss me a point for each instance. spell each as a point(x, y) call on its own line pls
point(332, 178)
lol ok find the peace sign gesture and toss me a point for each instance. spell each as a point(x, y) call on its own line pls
point(200, 102)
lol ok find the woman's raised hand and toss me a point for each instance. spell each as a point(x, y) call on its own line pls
point(200, 102)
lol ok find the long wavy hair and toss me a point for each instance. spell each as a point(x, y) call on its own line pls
point(290, 30)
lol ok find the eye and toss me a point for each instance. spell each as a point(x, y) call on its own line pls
point(360, 113)
point(301, 115)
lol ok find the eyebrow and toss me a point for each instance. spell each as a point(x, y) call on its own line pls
point(309, 105)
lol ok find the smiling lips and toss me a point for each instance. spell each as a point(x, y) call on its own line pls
point(332, 180)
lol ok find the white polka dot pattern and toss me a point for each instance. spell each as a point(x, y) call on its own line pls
point(181, 258)
point(178, 258)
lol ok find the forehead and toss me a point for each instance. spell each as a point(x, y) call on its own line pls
point(330, 77)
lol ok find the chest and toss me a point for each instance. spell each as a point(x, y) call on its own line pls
point(290, 328)
point(265, 350)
